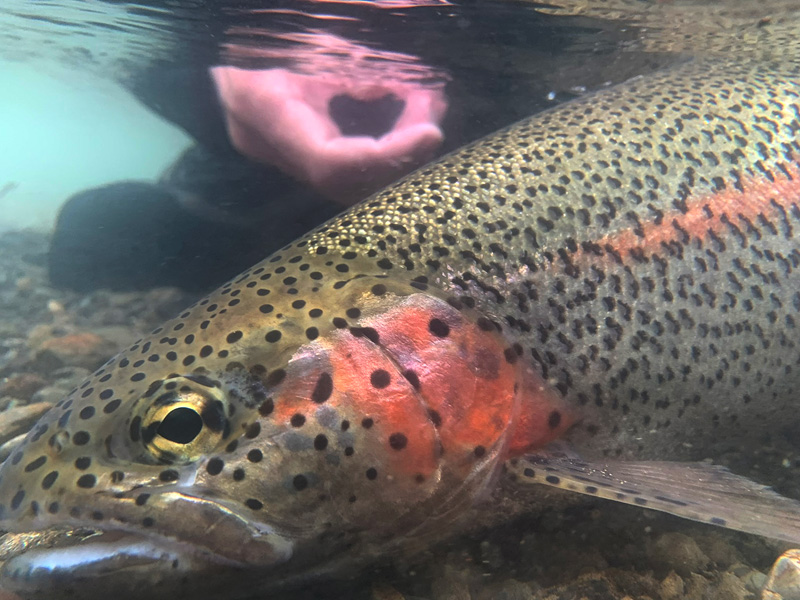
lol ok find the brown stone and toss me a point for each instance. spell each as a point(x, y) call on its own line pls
point(22, 386)
point(83, 349)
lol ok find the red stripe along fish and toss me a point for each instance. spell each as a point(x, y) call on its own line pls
point(620, 272)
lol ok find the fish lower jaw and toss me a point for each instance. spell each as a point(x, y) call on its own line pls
point(202, 539)
point(96, 564)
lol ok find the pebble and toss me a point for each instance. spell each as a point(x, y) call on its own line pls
point(383, 591)
point(509, 589)
point(83, 349)
point(22, 386)
point(452, 586)
point(50, 394)
point(730, 587)
point(697, 588)
point(678, 552)
point(11, 348)
point(70, 376)
point(672, 587)
point(24, 285)
point(754, 581)
point(7, 402)
point(720, 551)
point(783, 582)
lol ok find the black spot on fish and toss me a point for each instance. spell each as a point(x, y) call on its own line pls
point(112, 406)
point(49, 480)
point(323, 388)
point(168, 476)
point(136, 429)
point(33, 465)
point(253, 430)
point(412, 378)
point(253, 504)
point(17, 499)
point(398, 441)
point(215, 466)
point(266, 407)
point(86, 481)
point(380, 378)
point(438, 328)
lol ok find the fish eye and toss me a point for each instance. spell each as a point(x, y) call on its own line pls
point(183, 424)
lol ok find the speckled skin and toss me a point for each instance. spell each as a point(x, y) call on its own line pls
point(678, 337)
point(627, 260)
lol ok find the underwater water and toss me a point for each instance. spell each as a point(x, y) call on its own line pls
point(153, 150)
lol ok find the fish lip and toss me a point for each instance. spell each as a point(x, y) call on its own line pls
point(59, 540)
point(104, 558)
point(60, 553)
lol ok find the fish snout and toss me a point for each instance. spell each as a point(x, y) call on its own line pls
point(199, 546)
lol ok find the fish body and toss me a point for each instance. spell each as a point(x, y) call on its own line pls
point(620, 272)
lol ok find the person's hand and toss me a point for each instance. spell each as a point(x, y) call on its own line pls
point(282, 118)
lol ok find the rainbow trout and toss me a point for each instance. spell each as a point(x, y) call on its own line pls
point(621, 272)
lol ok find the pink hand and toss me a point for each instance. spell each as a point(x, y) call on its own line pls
point(282, 118)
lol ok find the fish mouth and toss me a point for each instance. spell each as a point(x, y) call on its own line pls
point(96, 564)
point(173, 562)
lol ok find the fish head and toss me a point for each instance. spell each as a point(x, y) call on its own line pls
point(251, 440)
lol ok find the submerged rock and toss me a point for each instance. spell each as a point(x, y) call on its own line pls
point(20, 419)
point(22, 386)
point(783, 582)
point(680, 553)
point(84, 349)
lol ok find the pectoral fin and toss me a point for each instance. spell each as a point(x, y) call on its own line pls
point(698, 491)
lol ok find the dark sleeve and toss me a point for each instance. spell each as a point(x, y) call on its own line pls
point(186, 96)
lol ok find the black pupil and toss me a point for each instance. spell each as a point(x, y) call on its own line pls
point(181, 425)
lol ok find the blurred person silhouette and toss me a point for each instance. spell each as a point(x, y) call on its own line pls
point(277, 152)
